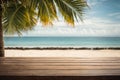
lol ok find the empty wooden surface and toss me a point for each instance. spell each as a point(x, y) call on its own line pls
point(54, 66)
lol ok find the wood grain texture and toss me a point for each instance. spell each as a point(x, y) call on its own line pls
point(53, 66)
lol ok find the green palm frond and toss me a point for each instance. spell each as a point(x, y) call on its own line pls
point(47, 11)
point(71, 9)
point(22, 15)
point(17, 18)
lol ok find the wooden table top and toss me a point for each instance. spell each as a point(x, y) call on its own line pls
point(56, 66)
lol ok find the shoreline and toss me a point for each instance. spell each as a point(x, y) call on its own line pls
point(62, 48)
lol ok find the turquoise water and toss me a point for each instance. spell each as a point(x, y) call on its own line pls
point(62, 41)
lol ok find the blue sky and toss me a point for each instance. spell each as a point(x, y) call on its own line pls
point(102, 19)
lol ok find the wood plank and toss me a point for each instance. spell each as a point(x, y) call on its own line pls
point(62, 64)
point(64, 61)
point(59, 58)
point(58, 67)
point(62, 73)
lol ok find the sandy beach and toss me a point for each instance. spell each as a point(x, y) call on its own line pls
point(61, 53)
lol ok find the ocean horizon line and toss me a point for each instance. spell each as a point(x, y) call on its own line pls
point(63, 36)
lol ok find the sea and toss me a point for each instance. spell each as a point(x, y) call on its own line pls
point(79, 42)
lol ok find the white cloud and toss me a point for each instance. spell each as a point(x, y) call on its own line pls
point(114, 14)
point(92, 3)
point(90, 27)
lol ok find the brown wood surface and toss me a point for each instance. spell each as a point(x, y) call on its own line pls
point(53, 66)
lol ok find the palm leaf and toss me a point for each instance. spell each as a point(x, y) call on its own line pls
point(46, 10)
point(17, 18)
point(71, 10)
point(22, 15)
